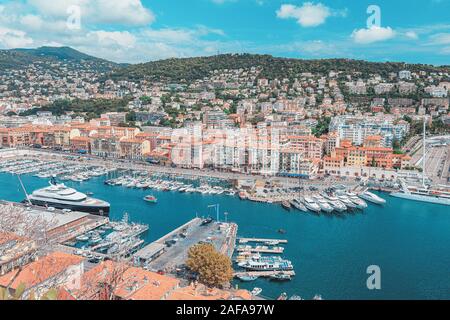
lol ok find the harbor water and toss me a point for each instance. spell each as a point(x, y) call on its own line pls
point(409, 241)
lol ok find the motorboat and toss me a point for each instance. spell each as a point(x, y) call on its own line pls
point(347, 202)
point(360, 203)
point(150, 199)
point(311, 204)
point(280, 277)
point(298, 205)
point(256, 291)
point(286, 205)
point(247, 278)
point(82, 238)
point(371, 197)
point(336, 204)
point(324, 205)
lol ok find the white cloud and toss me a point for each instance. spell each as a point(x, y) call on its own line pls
point(373, 34)
point(11, 38)
point(440, 39)
point(121, 39)
point(309, 14)
point(31, 21)
point(411, 35)
point(126, 12)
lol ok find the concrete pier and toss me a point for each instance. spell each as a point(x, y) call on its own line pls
point(264, 274)
point(257, 240)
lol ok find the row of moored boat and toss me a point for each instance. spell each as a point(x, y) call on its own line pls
point(329, 203)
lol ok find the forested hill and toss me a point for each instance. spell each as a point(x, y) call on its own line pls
point(197, 68)
point(18, 58)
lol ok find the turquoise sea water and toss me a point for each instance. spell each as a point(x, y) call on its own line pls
point(410, 241)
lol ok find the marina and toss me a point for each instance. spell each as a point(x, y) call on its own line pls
point(320, 247)
point(324, 200)
point(169, 253)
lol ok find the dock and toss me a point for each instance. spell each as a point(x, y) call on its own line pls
point(170, 252)
point(263, 274)
point(257, 240)
point(278, 250)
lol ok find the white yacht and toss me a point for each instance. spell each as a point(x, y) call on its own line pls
point(360, 203)
point(61, 197)
point(424, 193)
point(324, 205)
point(298, 205)
point(336, 204)
point(346, 201)
point(371, 197)
point(311, 204)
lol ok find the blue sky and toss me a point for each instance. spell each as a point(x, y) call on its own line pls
point(143, 30)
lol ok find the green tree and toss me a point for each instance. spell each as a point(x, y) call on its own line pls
point(146, 100)
point(214, 269)
point(5, 294)
point(322, 127)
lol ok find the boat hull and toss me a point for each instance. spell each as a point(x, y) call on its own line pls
point(95, 210)
point(422, 198)
point(313, 209)
point(372, 200)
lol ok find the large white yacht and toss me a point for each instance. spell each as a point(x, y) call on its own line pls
point(424, 193)
point(60, 196)
point(371, 197)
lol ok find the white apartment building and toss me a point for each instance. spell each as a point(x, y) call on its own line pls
point(356, 129)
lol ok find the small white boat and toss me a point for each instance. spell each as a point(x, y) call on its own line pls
point(96, 239)
point(82, 238)
point(371, 197)
point(256, 291)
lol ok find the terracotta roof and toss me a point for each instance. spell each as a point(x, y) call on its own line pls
point(41, 270)
point(200, 292)
point(376, 138)
point(84, 139)
point(6, 237)
point(134, 283)
point(338, 158)
point(126, 140)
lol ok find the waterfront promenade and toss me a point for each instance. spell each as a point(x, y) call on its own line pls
point(120, 164)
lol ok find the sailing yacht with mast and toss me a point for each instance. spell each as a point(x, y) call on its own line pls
point(424, 193)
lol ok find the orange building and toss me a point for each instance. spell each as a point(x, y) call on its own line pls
point(310, 146)
point(80, 143)
point(52, 271)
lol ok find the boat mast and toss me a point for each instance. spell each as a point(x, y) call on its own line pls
point(24, 190)
point(217, 210)
point(424, 149)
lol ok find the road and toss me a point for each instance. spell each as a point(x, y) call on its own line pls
point(177, 254)
point(437, 164)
